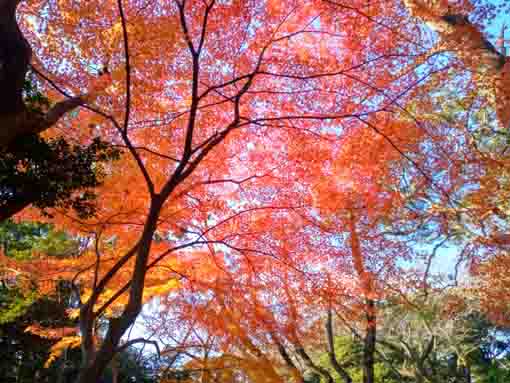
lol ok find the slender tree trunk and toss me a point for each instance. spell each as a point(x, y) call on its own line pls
point(369, 343)
point(331, 350)
point(366, 282)
point(206, 372)
point(115, 370)
point(312, 366)
point(98, 361)
point(465, 372)
point(295, 372)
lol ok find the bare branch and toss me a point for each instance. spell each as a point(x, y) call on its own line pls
point(132, 342)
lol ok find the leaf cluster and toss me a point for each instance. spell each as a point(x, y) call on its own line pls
point(35, 100)
point(48, 173)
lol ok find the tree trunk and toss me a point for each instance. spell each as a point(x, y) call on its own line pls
point(98, 361)
point(295, 372)
point(331, 350)
point(115, 370)
point(312, 366)
point(369, 343)
point(366, 281)
point(15, 55)
point(465, 372)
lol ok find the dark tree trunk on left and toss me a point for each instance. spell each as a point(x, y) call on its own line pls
point(15, 54)
point(17, 121)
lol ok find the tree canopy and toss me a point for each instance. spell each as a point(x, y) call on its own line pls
point(275, 179)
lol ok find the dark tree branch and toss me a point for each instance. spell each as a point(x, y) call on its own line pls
point(312, 366)
point(127, 65)
point(331, 350)
point(298, 376)
point(131, 342)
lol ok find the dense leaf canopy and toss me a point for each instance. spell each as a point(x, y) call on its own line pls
point(275, 177)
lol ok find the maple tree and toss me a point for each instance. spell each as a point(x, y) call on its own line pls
point(261, 312)
point(346, 181)
point(250, 131)
point(214, 86)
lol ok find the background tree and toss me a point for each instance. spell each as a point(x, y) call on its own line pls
point(49, 172)
point(24, 352)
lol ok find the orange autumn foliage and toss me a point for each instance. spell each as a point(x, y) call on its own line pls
point(160, 102)
point(489, 67)
point(251, 131)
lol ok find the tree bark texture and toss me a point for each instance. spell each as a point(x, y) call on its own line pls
point(15, 55)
